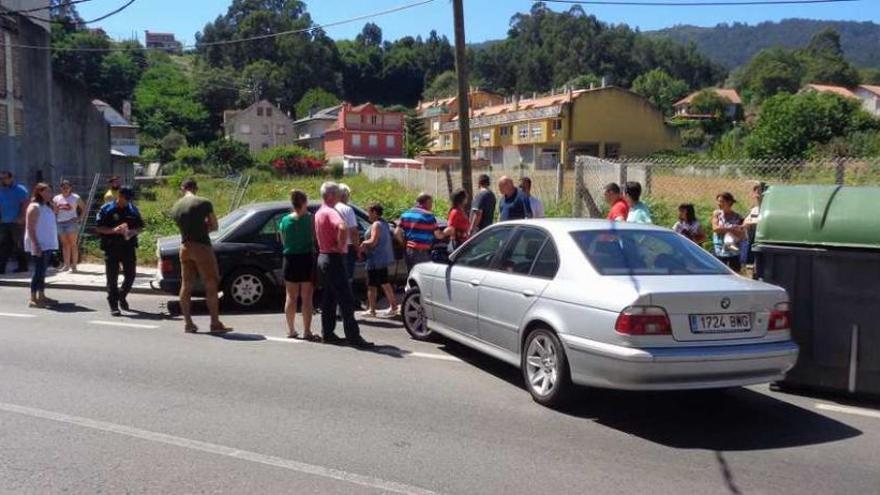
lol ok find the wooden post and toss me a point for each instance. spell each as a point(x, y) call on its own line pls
point(577, 209)
point(464, 125)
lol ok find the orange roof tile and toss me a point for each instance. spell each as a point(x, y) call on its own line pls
point(728, 93)
point(824, 88)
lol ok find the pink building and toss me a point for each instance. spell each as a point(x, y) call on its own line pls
point(364, 133)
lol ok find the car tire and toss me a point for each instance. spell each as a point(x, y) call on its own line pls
point(246, 288)
point(545, 368)
point(413, 313)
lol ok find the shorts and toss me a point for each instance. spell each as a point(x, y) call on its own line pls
point(198, 260)
point(298, 268)
point(732, 262)
point(377, 277)
point(68, 228)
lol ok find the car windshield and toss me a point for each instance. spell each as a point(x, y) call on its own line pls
point(227, 222)
point(645, 252)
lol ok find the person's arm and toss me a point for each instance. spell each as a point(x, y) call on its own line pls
point(374, 238)
point(102, 228)
point(80, 209)
point(700, 235)
point(137, 223)
point(23, 206)
point(716, 225)
point(342, 235)
point(211, 222)
point(33, 216)
point(355, 236)
point(527, 205)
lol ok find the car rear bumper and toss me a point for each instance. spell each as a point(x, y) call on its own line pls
point(605, 365)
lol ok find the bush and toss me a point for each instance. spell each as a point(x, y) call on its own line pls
point(179, 175)
point(150, 155)
point(337, 169)
point(191, 156)
point(292, 160)
point(169, 145)
point(693, 138)
point(228, 154)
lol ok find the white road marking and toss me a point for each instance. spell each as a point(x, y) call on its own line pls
point(18, 315)
point(857, 411)
point(211, 448)
point(284, 339)
point(439, 357)
point(122, 324)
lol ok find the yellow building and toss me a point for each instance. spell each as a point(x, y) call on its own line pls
point(435, 113)
point(543, 131)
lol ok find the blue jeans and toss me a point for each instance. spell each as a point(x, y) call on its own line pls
point(38, 279)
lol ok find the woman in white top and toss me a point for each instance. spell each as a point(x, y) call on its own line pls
point(69, 209)
point(41, 240)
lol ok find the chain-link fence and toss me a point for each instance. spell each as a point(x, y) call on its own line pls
point(666, 183)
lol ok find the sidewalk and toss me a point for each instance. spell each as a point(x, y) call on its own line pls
point(87, 277)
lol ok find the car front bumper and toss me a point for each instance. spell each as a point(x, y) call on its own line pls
point(610, 366)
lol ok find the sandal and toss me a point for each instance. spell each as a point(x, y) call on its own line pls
point(292, 335)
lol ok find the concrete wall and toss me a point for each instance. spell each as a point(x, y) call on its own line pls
point(62, 134)
point(616, 115)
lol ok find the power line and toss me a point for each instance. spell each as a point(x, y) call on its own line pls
point(242, 40)
point(65, 21)
point(696, 4)
point(111, 13)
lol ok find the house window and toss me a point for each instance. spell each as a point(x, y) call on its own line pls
point(374, 141)
point(245, 128)
point(435, 125)
point(505, 131)
point(612, 150)
point(524, 131)
point(265, 128)
point(475, 138)
point(487, 136)
point(281, 130)
point(259, 111)
point(537, 132)
point(390, 142)
point(447, 141)
point(268, 112)
point(374, 119)
point(557, 125)
point(355, 139)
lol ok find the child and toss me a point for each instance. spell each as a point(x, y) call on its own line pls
point(379, 250)
point(688, 225)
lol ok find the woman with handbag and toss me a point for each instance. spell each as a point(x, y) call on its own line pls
point(69, 209)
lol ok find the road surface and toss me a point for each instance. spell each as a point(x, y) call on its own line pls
point(89, 404)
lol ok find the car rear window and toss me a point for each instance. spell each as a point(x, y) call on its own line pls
point(645, 252)
point(227, 222)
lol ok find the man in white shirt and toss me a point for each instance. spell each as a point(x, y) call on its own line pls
point(537, 206)
point(354, 238)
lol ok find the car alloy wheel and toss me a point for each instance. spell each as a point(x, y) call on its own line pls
point(247, 289)
point(414, 319)
point(545, 368)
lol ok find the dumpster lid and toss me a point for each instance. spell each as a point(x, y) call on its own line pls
point(833, 216)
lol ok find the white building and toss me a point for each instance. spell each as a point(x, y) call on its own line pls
point(870, 96)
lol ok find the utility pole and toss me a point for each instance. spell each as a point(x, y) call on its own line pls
point(464, 125)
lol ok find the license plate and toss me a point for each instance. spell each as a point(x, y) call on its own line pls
point(721, 323)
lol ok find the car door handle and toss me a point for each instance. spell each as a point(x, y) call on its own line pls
point(475, 282)
point(528, 293)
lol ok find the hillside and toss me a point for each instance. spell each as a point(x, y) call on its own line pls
point(733, 45)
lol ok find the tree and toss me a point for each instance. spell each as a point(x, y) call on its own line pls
point(165, 99)
point(661, 89)
point(191, 156)
point(170, 145)
point(824, 62)
point(771, 71)
point(315, 99)
point(415, 139)
point(789, 125)
point(870, 76)
point(444, 86)
point(229, 154)
point(585, 81)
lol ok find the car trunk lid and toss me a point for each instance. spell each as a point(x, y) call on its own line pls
point(712, 308)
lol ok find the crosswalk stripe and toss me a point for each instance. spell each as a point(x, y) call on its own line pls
point(122, 324)
point(18, 315)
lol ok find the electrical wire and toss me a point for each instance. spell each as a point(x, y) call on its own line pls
point(392, 10)
point(696, 4)
point(66, 21)
point(48, 7)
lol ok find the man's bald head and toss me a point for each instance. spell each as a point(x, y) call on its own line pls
point(505, 185)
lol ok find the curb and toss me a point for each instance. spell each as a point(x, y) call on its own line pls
point(73, 286)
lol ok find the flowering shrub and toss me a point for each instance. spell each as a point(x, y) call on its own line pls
point(292, 160)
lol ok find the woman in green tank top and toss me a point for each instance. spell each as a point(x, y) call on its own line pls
point(298, 239)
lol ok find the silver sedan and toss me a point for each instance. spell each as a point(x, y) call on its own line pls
point(602, 304)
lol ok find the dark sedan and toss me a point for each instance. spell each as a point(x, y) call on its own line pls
point(249, 255)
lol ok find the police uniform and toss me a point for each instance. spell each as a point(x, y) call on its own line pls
point(118, 250)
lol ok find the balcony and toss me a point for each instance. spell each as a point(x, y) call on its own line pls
point(366, 126)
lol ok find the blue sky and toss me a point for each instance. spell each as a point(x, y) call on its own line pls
point(485, 19)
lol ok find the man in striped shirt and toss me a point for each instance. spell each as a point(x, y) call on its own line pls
point(418, 227)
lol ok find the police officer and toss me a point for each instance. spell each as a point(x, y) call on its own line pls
point(118, 223)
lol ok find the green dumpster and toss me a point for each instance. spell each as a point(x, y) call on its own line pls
point(822, 244)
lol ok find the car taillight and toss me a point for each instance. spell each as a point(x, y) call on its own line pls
point(166, 266)
point(643, 320)
point(780, 317)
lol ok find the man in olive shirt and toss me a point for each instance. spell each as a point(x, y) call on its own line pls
point(195, 218)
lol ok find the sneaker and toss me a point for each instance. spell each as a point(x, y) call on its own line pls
point(390, 313)
point(365, 314)
point(115, 313)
